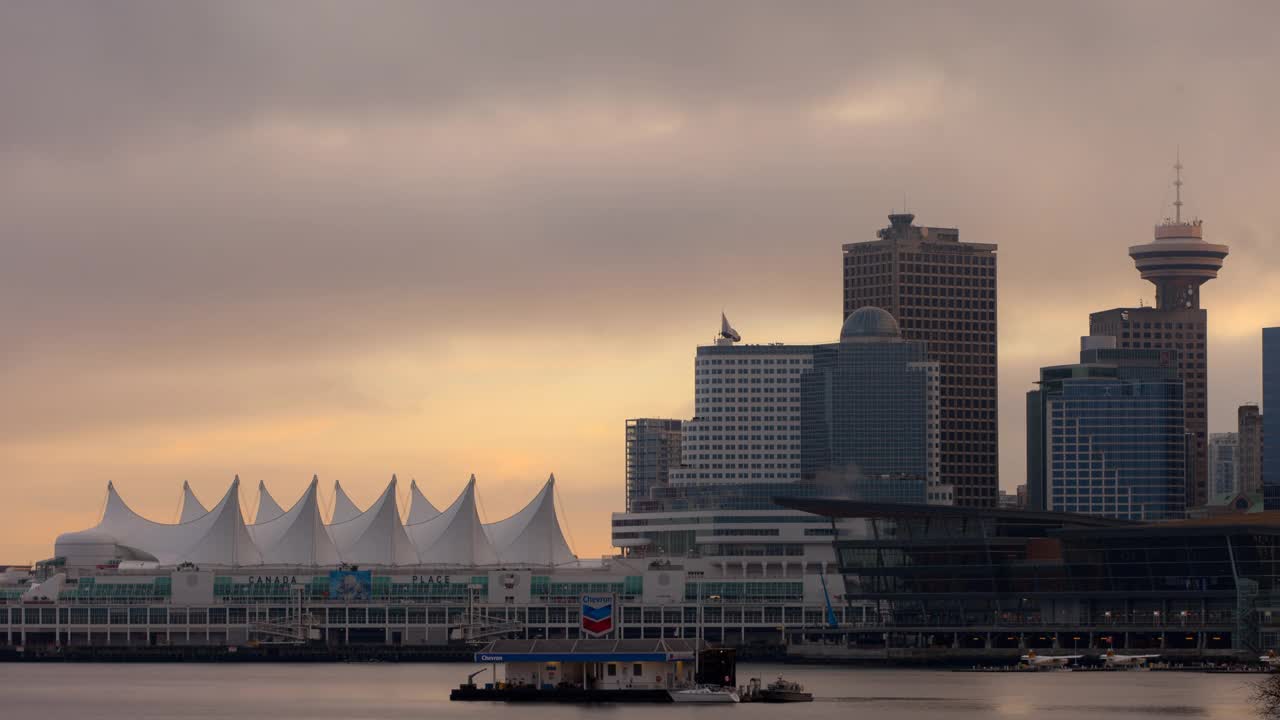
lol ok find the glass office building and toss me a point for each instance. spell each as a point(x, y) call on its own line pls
point(1271, 406)
point(653, 448)
point(950, 577)
point(1107, 436)
point(869, 404)
point(856, 419)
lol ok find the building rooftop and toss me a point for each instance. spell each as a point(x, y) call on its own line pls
point(601, 650)
point(1068, 524)
point(869, 323)
point(839, 508)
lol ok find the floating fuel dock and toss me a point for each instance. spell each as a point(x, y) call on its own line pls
point(594, 670)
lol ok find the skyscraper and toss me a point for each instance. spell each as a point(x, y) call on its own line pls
point(869, 405)
point(653, 448)
point(861, 413)
point(943, 293)
point(1224, 468)
point(1177, 262)
point(855, 420)
point(1106, 436)
point(746, 424)
point(1249, 457)
point(1271, 405)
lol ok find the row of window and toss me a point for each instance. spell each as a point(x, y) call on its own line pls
point(739, 373)
point(963, 255)
point(789, 392)
point(751, 361)
point(713, 612)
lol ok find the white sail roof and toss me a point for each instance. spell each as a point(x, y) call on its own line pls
point(191, 507)
point(420, 508)
point(268, 508)
point(533, 536)
point(219, 537)
point(456, 536)
point(376, 536)
point(343, 508)
point(48, 590)
point(296, 537)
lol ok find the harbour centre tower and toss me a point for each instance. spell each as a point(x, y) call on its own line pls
point(1178, 261)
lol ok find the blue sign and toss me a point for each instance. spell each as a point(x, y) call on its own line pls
point(350, 585)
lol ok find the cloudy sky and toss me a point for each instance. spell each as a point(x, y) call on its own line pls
point(279, 239)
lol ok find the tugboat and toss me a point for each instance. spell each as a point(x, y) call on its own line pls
point(784, 691)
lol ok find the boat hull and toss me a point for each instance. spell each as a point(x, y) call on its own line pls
point(679, 696)
point(784, 696)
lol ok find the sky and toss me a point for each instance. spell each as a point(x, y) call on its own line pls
point(278, 239)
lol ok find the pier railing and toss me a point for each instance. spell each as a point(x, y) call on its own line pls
point(1102, 623)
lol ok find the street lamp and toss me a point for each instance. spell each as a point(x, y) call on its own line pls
point(716, 599)
point(697, 632)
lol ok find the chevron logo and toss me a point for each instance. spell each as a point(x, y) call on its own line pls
point(597, 614)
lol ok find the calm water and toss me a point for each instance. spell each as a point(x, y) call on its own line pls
point(351, 692)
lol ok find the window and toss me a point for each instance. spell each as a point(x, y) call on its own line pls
point(635, 669)
point(612, 670)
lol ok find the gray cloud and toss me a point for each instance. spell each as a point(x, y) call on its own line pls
point(228, 185)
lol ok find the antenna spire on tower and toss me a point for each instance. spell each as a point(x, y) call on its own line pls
point(1177, 187)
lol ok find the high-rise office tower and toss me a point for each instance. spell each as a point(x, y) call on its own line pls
point(653, 448)
point(1224, 468)
point(869, 406)
point(855, 420)
point(1251, 455)
point(1106, 436)
point(943, 293)
point(1177, 262)
point(746, 424)
point(1271, 405)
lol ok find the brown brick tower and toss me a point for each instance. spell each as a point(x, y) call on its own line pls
point(942, 292)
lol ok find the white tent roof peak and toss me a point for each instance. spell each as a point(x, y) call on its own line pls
point(420, 508)
point(456, 535)
point(268, 508)
point(375, 536)
point(297, 537)
point(219, 537)
point(533, 536)
point(343, 508)
point(191, 507)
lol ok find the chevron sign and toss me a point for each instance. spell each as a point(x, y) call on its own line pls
point(597, 614)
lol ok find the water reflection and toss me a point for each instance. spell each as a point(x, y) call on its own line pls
point(281, 692)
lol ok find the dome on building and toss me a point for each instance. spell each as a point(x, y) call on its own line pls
point(869, 323)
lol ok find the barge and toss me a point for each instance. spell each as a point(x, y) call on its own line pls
point(589, 671)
